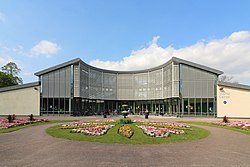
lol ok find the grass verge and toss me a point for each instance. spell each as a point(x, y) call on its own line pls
point(237, 129)
point(12, 129)
point(138, 138)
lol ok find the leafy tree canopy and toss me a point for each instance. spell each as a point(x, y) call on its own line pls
point(9, 75)
point(7, 79)
point(11, 68)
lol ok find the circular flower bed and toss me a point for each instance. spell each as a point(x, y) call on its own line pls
point(126, 131)
point(134, 133)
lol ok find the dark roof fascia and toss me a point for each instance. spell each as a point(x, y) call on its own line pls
point(173, 59)
point(74, 61)
point(234, 85)
point(212, 70)
point(10, 88)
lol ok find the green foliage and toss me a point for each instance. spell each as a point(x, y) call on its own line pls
point(7, 80)
point(11, 68)
point(125, 121)
point(138, 138)
point(9, 75)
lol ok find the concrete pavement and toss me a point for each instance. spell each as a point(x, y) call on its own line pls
point(33, 147)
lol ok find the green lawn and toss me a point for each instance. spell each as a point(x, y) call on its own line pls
point(12, 129)
point(238, 129)
point(138, 138)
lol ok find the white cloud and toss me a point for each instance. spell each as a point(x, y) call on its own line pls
point(230, 54)
point(46, 48)
point(2, 17)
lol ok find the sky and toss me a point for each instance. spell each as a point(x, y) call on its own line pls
point(126, 35)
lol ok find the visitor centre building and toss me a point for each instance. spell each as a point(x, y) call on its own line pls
point(175, 88)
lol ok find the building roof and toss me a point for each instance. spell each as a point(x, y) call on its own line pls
point(234, 85)
point(173, 59)
point(74, 61)
point(10, 88)
point(189, 63)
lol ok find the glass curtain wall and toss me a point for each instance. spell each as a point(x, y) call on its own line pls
point(197, 91)
point(56, 92)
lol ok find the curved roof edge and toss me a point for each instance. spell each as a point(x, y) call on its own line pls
point(15, 87)
point(173, 59)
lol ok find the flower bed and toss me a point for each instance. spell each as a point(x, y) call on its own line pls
point(167, 125)
point(163, 129)
point(93, 131)
point(126, 131)
point(239, 124)
point(76, 125)
point(159, 131)
point(170, 124)
point(4, 123)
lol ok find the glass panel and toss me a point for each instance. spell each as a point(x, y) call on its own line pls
point(61, 108)
point(211, 106)
point(50, 106)
point(198, 106)
point(191, 106)
point(67, 106)
point(204, 106)
point(185, 106)
point(44, 105)
point(72, 80)
point(56, 106)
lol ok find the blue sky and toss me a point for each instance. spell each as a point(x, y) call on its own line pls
point(126, 35)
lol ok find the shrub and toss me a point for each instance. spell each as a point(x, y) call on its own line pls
point(13, 117)
point(10, 119)
point(125, 121)
point(126, 131)
point(31, 117)
point(225, 119)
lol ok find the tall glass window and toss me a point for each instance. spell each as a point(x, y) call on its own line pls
point(72, 80)
point(61, 108)
point(186, 106)
point(51, 106)
point(198, 106)
point(56, 105)
point(191, 106)
point(211, 106)
point(204, 106)
point(66, 106)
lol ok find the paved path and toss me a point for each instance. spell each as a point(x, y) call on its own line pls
point(33, 147)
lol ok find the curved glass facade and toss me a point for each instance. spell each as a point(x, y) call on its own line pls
point(174, 88)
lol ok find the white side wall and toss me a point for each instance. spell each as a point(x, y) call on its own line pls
point(233, 102)
point(23, 101)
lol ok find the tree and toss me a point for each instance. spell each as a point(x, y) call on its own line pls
point(11, 68)
point(7, 80)
point(9, 75)
point(226, 78)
